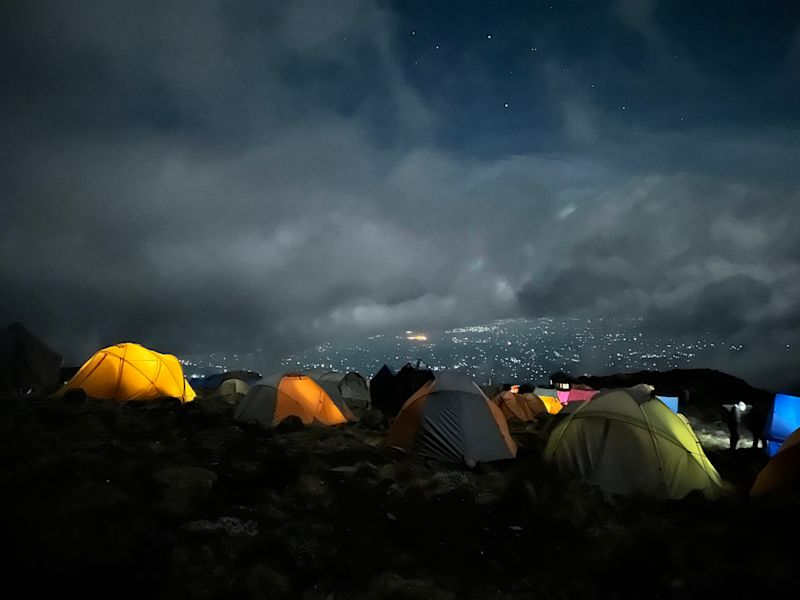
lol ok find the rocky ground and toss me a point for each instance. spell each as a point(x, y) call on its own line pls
point(168, 501)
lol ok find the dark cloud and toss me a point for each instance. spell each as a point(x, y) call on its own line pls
point(207, 175)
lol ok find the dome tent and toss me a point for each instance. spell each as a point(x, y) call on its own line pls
point(230, 390)
point(130, 372)
point(519, 407)
point(781, 475)
point(351, 386)
point(213, 381)
point(381, 387)
point(626, 441)
point(451, 419)
point(782, 420)
point(26, 363)
point(391, 398)
point(279, 396)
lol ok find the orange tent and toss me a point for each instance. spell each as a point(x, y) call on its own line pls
point(781, 474)
point(520, 407)
point(451, 419)
point(130, 372)
point(272, 400)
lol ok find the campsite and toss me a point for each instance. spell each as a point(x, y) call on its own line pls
point(281, 490)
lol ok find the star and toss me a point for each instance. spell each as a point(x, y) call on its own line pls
point(413, 33)
point(489, 36)
point(437, 46)
point(505, 105)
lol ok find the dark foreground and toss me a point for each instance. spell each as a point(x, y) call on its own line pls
point(170, 501)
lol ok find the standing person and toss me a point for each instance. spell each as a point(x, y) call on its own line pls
point(755, 419)
point(735, 421)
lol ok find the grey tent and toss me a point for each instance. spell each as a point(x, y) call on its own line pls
point(451, 419)
point(351, 386)
point(26, 363)
point(231, 390)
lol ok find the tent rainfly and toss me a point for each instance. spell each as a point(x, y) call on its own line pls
point(451, 419)
point(782, 421)
point(278, 397)
point(520, 407)
point(130, 372)
point(781, 475)
point(351, 386)
point(626, 441)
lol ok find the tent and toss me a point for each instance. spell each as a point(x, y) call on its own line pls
point(782, 473)
point(407, 381)
point(212, 382)
point(231, 390)
point(626, 441)
point(670, 401)
point(389, 392)
point(275, 398)
point(26, 363)
point(129, 371)
point(351, 386)
point(782, 421)
point(381, 387)
point(575, 395)
point(520, 407)
point(549, 392)
point(451, 419)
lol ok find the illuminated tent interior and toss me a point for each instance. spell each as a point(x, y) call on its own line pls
point(278, 397)
point(451, 419)
point(625, 441)
point(130, 372)
point(782, 421)
point(781, 475)
point(26, 363)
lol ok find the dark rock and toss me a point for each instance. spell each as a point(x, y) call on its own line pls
point(261, 582)
point(372, 419)
point(396, 587)
point(186, 490)
point(290, 424)
point(75, 395)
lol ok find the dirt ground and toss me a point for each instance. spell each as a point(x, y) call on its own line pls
point(167, 501)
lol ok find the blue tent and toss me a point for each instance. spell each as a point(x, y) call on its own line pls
point(670, 401)
point(782, 421)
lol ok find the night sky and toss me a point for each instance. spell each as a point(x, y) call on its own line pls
point(200, 175)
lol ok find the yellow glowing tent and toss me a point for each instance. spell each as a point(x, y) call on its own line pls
point(130, 372)
point(273, 399)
